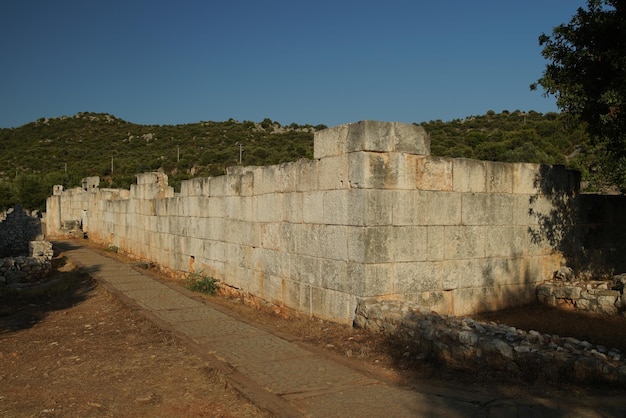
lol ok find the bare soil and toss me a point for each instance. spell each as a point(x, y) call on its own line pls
point(72, 349)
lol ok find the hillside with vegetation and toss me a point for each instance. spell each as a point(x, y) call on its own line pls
point(63, 150)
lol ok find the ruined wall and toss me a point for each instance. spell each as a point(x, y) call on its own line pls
point(17, 229)
point(372, 216)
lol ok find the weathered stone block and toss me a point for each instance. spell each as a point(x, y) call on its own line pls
point(371, 136)
point(409, 243)
point(368, 280)
point(313, 207)
point(464, 242)
point(414, 278)
point(567, 292)
point(306, 172)
point(217, 186)
point(369, 207)
point(335, 242)
point(336, 207)
point(239, 181)
point(333, 305)
point(269, 207)
point(438, 208)
point(370, 244)
point(306, 269)
point(404, 207)
point(487, 209)
point(293, 207)
point(433, 173)
point(309, 240)
point(333, 173)
point(499, 177)
point(469, 176)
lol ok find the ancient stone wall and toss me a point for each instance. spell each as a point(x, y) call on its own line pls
point(25, 258)
point(597, 296)
point(372, 216)
point(17, 229)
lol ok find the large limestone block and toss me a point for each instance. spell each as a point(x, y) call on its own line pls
point(487, 209)
point(500, 177)
point(371, 136)
point(306, 269)
point(333, 173)
point(368, 170)
point(239, 181)
point(313, 207)
point(409, 243)
point(433, 173)
point(306, 175)
point(370, 244)
point(370, 280)
point(469, 175)
point(525, 176)
point(293, 207)
point(412, 278)
point(269, 207)
point(464, 242)
point(438, 208)
point(335, 241)
point(274, 178)
point(372, 207)
point(333, 305)
point(309, 240)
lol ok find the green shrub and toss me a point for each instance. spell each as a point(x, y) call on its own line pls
point(197, 282)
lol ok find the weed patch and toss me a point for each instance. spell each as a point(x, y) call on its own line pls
point(197, 282)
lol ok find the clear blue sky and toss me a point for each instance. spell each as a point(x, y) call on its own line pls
point(309, 62)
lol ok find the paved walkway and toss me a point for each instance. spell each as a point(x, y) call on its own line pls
point(292, 380)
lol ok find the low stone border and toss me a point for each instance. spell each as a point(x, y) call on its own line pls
point(604, 297)
point(468, 344)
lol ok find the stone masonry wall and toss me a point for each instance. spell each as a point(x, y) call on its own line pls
point(597, 296)
point(25, 258)
point(372, 216)
point(17, 229)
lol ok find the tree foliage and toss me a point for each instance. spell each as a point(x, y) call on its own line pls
point(587, 75)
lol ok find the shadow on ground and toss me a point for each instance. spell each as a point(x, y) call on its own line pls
point(25, 307)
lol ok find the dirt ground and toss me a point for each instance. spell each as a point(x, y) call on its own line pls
point(71, 349)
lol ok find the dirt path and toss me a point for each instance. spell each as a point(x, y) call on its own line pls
point(79, 352)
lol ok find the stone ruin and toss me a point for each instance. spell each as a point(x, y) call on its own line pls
point(25, 256)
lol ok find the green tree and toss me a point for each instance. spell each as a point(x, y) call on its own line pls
point(587, 75)
point(7, 195)
point(32, 191)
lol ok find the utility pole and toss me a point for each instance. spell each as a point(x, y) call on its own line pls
point(240, 151)
point(111, 165)
point(177, 153)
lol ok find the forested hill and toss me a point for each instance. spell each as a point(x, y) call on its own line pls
point(63, 150)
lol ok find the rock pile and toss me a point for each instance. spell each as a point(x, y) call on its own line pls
point(468, 344)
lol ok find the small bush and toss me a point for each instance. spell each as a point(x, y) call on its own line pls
point(197, 282)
